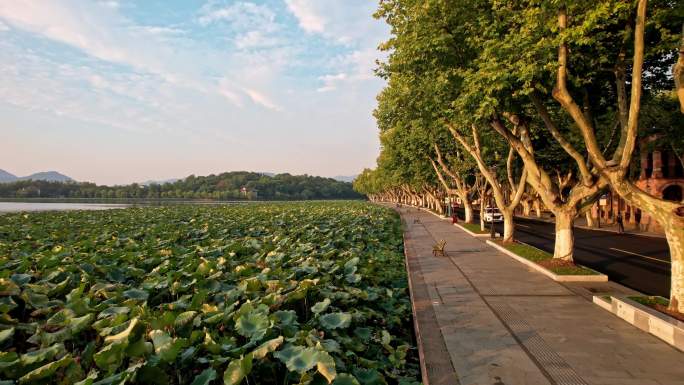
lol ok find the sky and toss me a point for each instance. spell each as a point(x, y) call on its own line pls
point(116, 92)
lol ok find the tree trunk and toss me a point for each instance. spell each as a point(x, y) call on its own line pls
point(565, 238)
point(537, 207)
point(509, 226)
point(526, 207)
point(590, 218)
point(468, 206)
point(675, 239)
point(482, 210)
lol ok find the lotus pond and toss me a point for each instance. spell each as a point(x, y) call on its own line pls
point(294, 293)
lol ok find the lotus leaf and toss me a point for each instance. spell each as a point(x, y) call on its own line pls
point(237, 370)
point(345, 379)
point(335, 320)
point(267, 347)
point(45, 370)
point(252, 325)
point(204, 378)
point(165, 347)
point(6, 335)
point(320, 306)
point(136, 294)
point(182, 293)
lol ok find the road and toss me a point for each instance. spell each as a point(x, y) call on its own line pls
point(639, 262)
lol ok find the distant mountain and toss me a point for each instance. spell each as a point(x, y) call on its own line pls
point(6, 177)
point(347, 178)
point(50, 176)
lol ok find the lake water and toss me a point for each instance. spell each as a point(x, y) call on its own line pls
point(11, 207)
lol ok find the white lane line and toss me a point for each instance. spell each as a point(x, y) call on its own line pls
point(522, 225)
point(640, 255)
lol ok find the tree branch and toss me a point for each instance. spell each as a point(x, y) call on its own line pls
point(562, 95)
point(567, 146)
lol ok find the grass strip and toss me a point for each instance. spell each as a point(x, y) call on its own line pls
point(543, 258)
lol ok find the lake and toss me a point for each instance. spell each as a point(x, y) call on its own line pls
point(11, 207)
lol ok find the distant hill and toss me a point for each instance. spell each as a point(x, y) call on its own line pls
point(49, 176)
point(236, 185)
point(7, 177)
point(347, 178)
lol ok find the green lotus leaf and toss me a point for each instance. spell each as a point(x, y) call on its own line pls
point(331, 346)
point(59, 288)
point(253, 325)
point(92, 376)
point(35, 300)
point(345, 379)
point(335, 320)
point(79, 324)
point(112, 311)
point(152, 375)
point(209, 344)
point(111, 356)
point(353, 278)
point(8, 287)
point(136, 294)
point(47, 339)
point(7, 304)
point(386, 338)
point(133, 331)
point(165, 347)
point(61, 318)
point(6, 335)
point(326, 365)
point(350, 266)
point(370, 377)
point(204, 378)
point(320, 307)
point(237, 370)
point(363, 333)
point(21, 279)
point(267, 347)
point(46, 370)
point(184, 318)
point(139, 348)
point(297, 358)
point(286, 317)
point(41, 355)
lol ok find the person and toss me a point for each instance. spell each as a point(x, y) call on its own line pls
point(621, 228)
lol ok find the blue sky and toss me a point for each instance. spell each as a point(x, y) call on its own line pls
point(123, 91)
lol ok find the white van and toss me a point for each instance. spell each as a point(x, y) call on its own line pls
point(492, 214)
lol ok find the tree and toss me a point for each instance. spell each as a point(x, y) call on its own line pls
point(615, 169)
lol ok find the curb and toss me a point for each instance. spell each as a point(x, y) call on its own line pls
point(416, 327)
point(643, 317)
point(547, 272)
point(476, 235)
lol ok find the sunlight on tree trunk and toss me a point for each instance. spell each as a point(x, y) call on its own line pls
point(565, 238)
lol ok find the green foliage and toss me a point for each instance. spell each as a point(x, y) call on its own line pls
point(225, 186)
point(193, 294)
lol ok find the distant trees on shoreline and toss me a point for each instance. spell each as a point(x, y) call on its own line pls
point(239, 185)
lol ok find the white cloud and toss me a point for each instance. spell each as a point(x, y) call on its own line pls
point(4, 27)
point(330, 82)
point(240, 15)
point(259, 98)
point(307, 15)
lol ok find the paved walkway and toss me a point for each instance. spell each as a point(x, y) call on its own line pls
point(484, 319)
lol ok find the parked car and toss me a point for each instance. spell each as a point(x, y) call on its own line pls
point(492, 214)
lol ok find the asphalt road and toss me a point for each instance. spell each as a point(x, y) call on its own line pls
point(639, 262)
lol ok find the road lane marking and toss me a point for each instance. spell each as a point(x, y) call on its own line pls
point(639, 255)
point(523, 225)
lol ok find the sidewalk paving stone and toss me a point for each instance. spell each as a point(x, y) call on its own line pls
point(505, 324)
